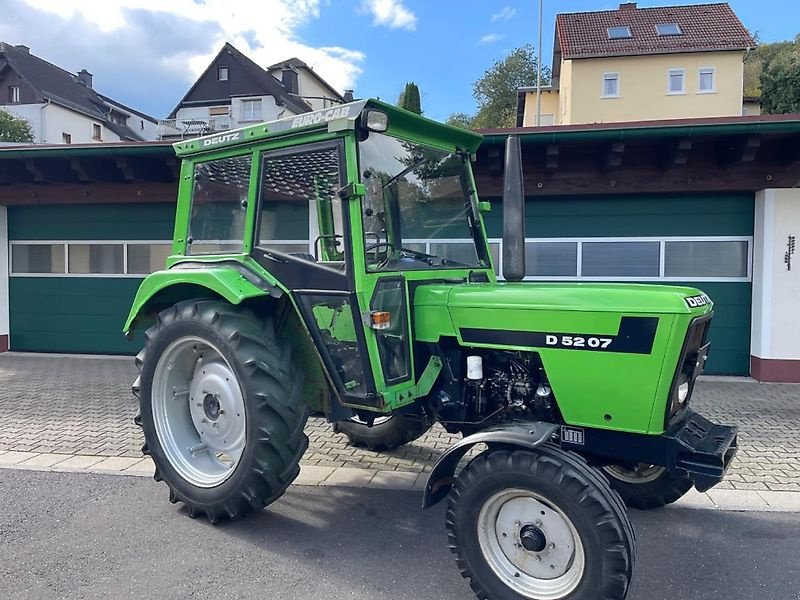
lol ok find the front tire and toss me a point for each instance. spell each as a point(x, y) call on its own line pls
point(221, 408)
point(647, 487)
point(536, 525)
point(386, 433)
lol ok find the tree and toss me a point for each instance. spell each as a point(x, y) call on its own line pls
point(460, 119)
point(410, 99)
point(14, 129)
point(772, 73)
point(496, 90)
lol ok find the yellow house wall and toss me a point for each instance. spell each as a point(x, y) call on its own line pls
point(643, 92)
point(550, 106)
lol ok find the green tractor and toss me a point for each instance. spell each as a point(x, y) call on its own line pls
point(337, 262)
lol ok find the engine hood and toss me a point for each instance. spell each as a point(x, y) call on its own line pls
point(585, 297)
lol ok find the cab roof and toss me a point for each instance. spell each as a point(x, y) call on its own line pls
point(402, 123)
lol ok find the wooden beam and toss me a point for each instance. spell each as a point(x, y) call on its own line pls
point(32, 168)
point(677, 152)
point(613, 155)
point(79, 169)
point(88, 193)
point(125, 168)
point(551, 157)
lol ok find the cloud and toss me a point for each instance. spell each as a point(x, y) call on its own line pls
point(391, 13)
point(146, 53)
point(491, 38)
point(505, 14)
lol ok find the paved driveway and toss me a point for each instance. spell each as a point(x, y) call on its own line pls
point(83, 406)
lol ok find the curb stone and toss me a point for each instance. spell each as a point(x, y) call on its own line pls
point(311, 475)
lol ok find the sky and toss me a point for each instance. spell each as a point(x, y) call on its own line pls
point(147, 53)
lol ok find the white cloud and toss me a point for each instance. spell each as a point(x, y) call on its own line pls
point(391, 13)
point(505, 14)
point(150, 51)
point(490, 38)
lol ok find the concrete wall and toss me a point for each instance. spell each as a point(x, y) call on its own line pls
point(551, 113)
point(643, 88)
point(775, 347)
point(4, 317)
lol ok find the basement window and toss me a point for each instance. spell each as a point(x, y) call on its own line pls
point(619, 33)
point(668, 29)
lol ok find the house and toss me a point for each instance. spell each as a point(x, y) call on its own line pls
point(64, 108)
point(234, 92)
point(637, 64)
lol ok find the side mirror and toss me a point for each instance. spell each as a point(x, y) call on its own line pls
point(513, 212)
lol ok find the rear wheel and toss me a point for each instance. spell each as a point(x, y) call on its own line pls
point(539, 525)
point(221, 408)
point(646, 486)
point(386, 433)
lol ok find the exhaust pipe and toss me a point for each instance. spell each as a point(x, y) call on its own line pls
point(513, 212)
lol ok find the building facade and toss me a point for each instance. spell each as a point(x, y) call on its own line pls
point(235, 92)
point(63, 108)
point(635, 64)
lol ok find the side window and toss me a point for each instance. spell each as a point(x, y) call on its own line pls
point(219, 206)
point(301, 213)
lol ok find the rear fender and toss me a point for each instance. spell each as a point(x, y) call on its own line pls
point(233, 283)
point(521, 435)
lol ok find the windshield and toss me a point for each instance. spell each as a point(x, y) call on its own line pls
point(417, 211)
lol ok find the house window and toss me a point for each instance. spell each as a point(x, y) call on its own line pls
point(610, 85)
point(96, 259)
point(619, 33)
point(13, 94)
point(251, 110)
point(66, 138)
point(676, 83)
point(97, 132)
point(222, 73)
point(668, 29)
point(707, 80)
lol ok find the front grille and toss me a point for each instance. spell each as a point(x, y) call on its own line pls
point(696, 338)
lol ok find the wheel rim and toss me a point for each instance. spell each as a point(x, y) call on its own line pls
point(376, 421)
point(641, 473)
point(198, 412)
point(531, 545)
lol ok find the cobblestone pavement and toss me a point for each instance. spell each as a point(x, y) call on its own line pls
point(83, 406)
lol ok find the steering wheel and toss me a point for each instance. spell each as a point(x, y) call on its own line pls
point(376, 246)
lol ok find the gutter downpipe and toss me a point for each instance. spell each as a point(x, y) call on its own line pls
point(42, 121)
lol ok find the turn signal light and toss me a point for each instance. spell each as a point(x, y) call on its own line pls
point(380, 319)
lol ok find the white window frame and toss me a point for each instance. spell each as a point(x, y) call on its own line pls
point(14, 94)
point(676, 71)
point(713, 71)
point(677, 33)
point(610, 76)
point(619, 28)
point(67, 243)
point(220, 70)
point(244, 117)
point(99, 127)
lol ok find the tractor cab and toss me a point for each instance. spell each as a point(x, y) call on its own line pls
point(347, 210)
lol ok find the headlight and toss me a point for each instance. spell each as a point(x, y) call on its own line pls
point(683, 392)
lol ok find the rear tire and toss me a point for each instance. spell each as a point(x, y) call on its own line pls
point(541, 524)
point(221, 408)
point(647, 487)
point(386, 433)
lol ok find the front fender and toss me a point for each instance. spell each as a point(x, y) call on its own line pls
point(523, 435)
point(233, 283)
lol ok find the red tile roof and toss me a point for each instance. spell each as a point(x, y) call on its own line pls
point(705, 28)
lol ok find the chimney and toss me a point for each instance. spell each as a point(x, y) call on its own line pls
point(348, 96)
point(289, 80)
point(627, 6)
point(23, 48)
point(85, 78)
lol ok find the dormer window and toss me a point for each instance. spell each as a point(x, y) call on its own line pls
point(222, 73)
point(619, 33)
point(668, 29)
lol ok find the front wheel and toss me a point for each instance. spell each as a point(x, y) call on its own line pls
point(221, 408)
point(646, 486)
point(539, 525)
point(386, 433)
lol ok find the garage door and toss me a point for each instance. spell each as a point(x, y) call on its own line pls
point(703, 241)
point(75, 270)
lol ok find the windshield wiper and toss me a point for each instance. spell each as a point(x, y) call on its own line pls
point(404, 172)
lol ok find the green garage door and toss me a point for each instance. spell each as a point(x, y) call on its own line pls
point(703, 241)
point(75, 270)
